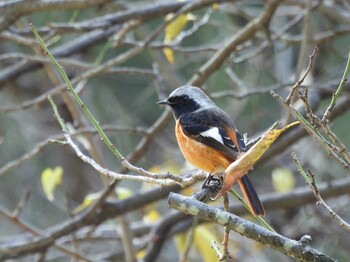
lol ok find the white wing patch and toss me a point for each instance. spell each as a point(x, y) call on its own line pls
point(213, 133)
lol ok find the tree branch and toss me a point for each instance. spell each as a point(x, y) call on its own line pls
point(259, 23)
point(106, 211)
point(287, 246)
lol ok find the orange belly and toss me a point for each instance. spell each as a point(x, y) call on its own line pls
point(200, 155)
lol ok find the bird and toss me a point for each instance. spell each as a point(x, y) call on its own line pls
point(208, 138)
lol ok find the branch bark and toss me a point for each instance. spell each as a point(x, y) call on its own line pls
point(290, 247)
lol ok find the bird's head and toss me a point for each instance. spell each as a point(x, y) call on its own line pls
point(186, 99)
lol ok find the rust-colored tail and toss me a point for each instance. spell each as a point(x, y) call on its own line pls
point(251, 196)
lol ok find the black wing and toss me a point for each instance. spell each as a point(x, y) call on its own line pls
point(197, 124)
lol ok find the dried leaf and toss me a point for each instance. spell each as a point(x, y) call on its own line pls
point(246, 161)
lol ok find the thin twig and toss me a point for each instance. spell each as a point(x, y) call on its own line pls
point(313, 132)
point(144, 12)
point(301, 80)
point(230, 45)
point(28, 228)
point(337, 150)
point(336, 145)
point(337, 93)
point(310, 179)
point(86, 75)
point(102, 134)
point(78, 99)
point(54, 139)
point(119, 37)
point(155, 178)
point(225, 253)
point(189, 241)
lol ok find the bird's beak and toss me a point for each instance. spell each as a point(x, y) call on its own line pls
point(163, 102)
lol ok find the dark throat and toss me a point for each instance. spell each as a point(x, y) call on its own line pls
point(180, 109)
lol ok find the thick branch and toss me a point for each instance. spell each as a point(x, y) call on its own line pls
point(142, 12)
point(300, 196)
point(214, 63)
point(108, 210)
point(283, 244)
point(15, 9)
point(65, 50)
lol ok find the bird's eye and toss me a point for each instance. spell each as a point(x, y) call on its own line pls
point(184, 99)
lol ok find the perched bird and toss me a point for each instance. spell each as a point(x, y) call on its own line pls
point(207, 137)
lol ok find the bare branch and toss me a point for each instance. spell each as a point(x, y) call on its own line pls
point(337, 93)
point(142, 12)
point(92, 216)
point(301, 80)
point(152, 178)
point(232, 43)
point(310, 179)
point(276, 241)
point(316, 192)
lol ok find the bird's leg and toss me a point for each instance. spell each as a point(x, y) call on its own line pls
point(210, 187)
point(207, 181)
point(215, 181)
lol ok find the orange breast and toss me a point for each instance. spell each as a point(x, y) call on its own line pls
point(200, 155)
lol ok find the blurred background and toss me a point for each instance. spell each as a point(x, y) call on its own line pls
point(142, 63)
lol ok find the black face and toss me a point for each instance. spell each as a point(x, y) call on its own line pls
point(182, 105)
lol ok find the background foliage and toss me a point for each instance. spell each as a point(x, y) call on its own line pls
point(86, 34)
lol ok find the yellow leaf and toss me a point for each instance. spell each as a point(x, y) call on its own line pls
point(215, 6)
point(169, 54)
point(203, 237)
point(151, 216)
point(283, 179)
point(180, 242)
point(50, 179)
point(88, 200)
point(246, 160)
point(141, 254)
point(122, 193)
point(172, 30)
